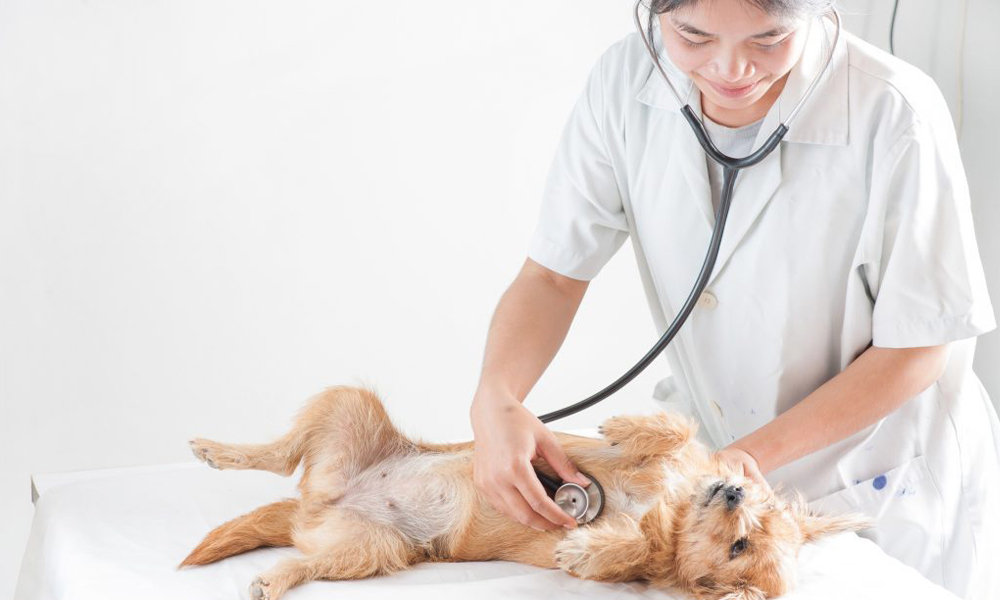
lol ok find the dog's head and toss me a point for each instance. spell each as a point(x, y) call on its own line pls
point(738, 540)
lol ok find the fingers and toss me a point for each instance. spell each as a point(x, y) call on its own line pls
point(532, 492)
point(510, 501)
point(518, 494)
point(521, 511)
point(749, 466)
point(743, 463)
point(552, 452)
point(751, 471)
point(504, 476)
point(507, 501)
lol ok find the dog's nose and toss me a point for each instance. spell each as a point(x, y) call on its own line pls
point(734, 496)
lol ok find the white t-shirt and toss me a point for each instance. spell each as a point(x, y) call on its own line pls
point(735, 142)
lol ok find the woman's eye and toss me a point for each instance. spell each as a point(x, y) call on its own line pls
point(692, 43)
point(770, 45)
point(738, 548)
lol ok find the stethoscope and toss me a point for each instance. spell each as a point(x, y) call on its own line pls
point(592, 497)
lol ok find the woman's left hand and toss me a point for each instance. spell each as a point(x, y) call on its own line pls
point(742, 462)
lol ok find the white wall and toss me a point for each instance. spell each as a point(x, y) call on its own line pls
point(211, 210)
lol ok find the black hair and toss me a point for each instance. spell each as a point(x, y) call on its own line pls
point(772, 7)
point(780, 8)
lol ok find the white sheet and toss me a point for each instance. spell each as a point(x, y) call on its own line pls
point(118, 534)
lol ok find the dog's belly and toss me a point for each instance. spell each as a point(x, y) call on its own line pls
point(418, 494)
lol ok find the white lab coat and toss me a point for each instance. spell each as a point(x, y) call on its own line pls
point(857, 230)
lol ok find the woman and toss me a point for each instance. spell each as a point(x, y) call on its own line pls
point(832, 349)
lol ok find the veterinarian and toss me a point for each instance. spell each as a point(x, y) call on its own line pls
point(832, 349)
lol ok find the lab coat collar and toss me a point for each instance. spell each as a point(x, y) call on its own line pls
point(655, 92)
point(824, 116)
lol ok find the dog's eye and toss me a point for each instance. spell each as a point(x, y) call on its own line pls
point(738, 548)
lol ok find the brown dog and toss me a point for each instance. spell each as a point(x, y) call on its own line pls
point(373, 502)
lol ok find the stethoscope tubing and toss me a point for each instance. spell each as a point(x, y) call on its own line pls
point(731, 168)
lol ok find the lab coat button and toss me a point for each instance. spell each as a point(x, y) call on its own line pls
point(708, 300)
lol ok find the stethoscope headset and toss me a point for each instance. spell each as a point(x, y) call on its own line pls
point(586, 504)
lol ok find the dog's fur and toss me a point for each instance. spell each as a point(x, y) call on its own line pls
point(373, 502)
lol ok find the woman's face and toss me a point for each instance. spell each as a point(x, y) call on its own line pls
point(737, 55)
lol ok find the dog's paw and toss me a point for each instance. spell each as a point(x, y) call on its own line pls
point(571, 553)
point(259, 589)
point(649, 435)
point(202, 451)
point(216, 455)
point(617, 429)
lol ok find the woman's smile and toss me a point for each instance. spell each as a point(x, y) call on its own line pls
point(733, 91)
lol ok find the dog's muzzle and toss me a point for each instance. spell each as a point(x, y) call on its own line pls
point(732, 494)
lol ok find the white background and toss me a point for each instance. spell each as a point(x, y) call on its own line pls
point(210, 210)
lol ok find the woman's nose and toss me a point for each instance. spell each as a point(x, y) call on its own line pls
point(734, 68)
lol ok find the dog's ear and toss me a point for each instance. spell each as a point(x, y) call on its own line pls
point(814, 526)
point(708, 589)
point(704, 587)
point(743, 592)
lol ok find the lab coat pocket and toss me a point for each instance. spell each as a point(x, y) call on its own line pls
point(907, 509)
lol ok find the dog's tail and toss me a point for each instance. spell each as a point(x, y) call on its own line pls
point(269, 525)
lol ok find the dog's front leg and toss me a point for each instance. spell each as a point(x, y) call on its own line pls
point(608, 550)
point(644, 436)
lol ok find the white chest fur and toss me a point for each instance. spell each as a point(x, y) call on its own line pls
point(416, 493)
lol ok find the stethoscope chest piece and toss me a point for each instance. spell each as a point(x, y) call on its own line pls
point(584, 504)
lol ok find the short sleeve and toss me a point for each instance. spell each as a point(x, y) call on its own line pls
point(582, 222)
point(927, 281)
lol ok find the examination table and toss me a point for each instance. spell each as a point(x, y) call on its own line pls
point(118, 534)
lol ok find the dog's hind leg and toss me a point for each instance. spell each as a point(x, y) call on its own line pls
point(346, 427)
point(349, 426)
point(278, 457)
point(362, 550)
point(346, 430)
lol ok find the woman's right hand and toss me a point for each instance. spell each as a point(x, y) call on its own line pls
point(508, 437)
